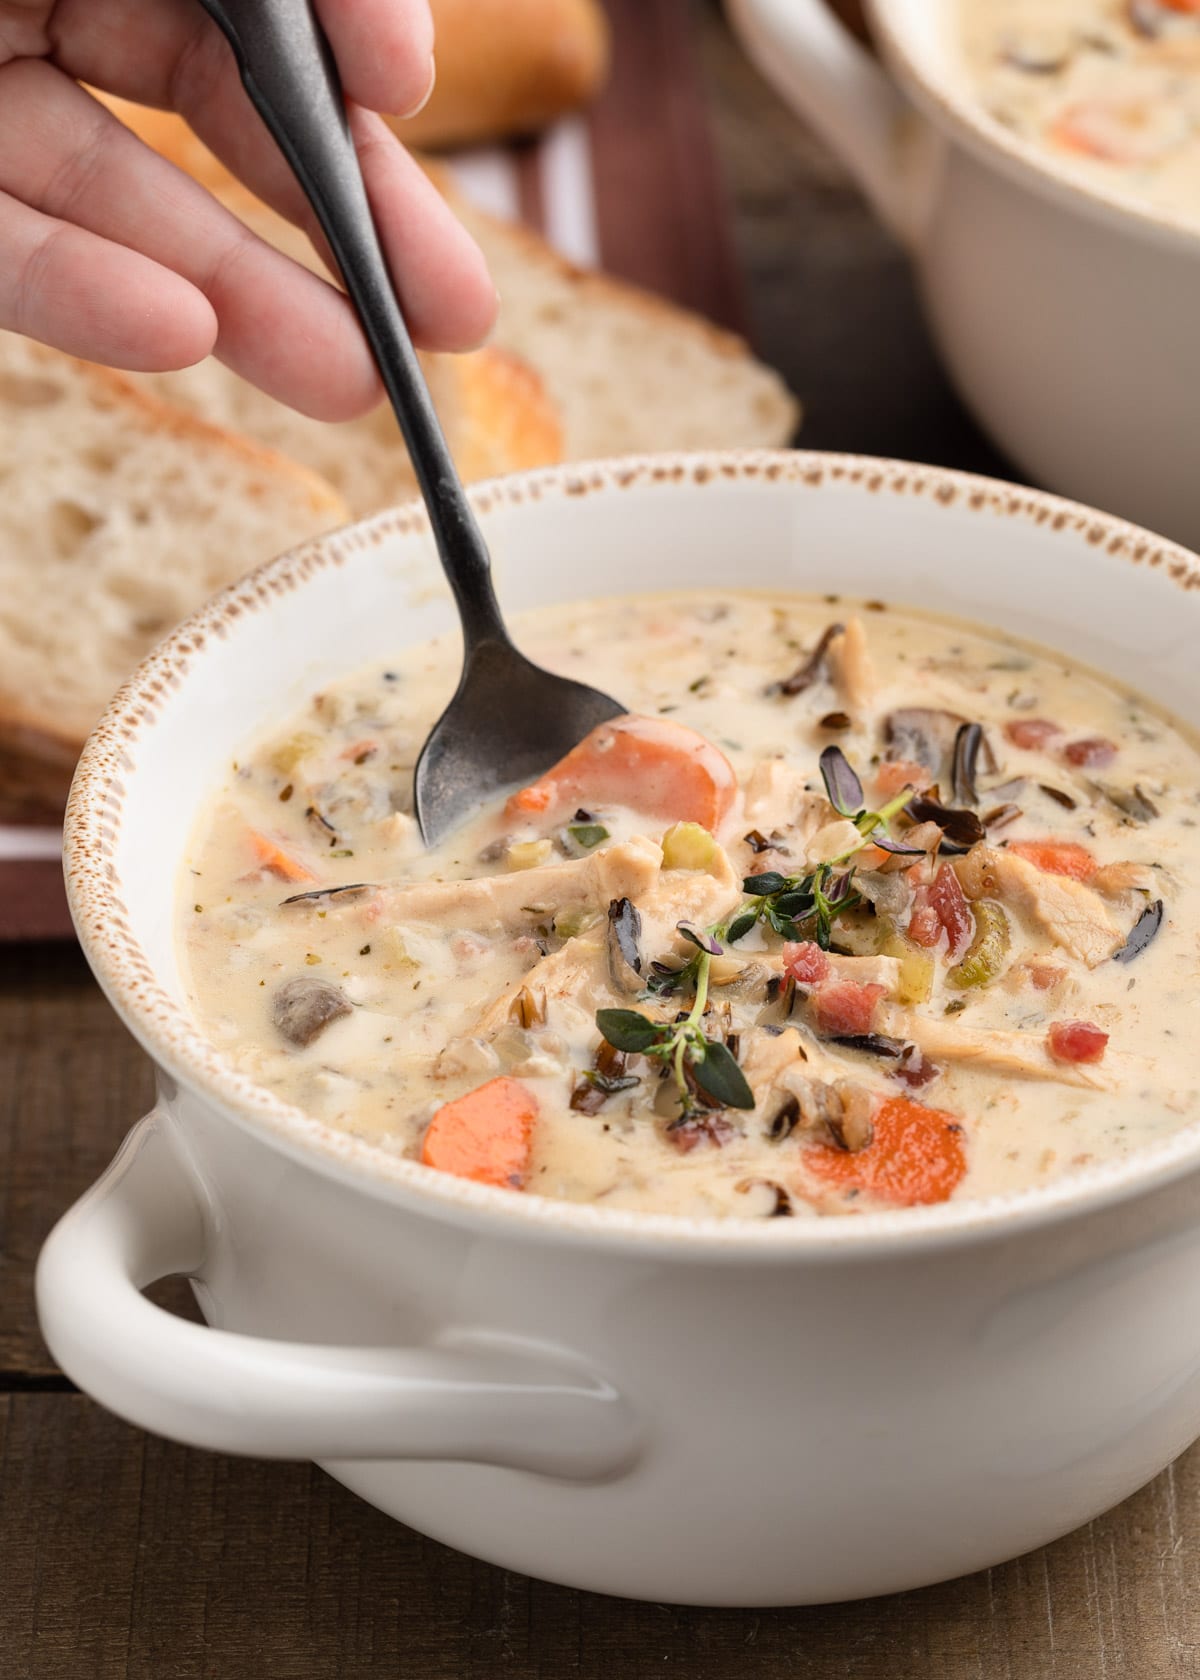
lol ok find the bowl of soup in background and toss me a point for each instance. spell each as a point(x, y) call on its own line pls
point(1064, 307)
point(702, 1411)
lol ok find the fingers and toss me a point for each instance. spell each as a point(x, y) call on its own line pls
point(84, 295)
point(278, 325)
point(445, 290)
point(382, 47)
point(384, 51)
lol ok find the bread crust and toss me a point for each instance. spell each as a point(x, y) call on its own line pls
point(109, 389)
point(39, 744)
point(171, 136)
point(508, 67)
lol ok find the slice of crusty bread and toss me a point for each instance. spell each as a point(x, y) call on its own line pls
point(628, 372)
point(494, 409)
point(120, 515)
point(507, 67)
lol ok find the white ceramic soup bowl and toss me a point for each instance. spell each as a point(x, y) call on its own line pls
point(1066, 315)
point(716, 1413)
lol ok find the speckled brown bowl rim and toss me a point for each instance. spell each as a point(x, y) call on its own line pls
point(177, 1045)
point(1019, 159)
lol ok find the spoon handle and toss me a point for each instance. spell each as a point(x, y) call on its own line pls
point(289, 72)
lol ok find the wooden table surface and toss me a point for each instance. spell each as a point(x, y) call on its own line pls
point(123, 1556)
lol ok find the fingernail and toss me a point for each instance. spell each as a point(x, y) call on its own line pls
point(427, 95)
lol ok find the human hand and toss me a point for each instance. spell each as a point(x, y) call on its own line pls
point(109, 252)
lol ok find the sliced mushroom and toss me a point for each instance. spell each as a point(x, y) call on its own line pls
point(1131, 802)
point(302, 1008)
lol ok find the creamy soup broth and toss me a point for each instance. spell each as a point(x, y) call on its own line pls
point(1010, 997)
point(1110, 88)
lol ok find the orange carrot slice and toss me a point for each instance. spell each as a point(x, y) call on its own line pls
point(915, 1157)
point(1057, 857)
point(273, 857)
point(654, 765)
point(485, 1135)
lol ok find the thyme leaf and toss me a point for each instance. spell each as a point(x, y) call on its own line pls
point(718, 1073)
point(682, 1045)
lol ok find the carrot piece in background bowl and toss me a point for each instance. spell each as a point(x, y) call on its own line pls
point(485, 1135)
point(915, 1157)
point(653, 765)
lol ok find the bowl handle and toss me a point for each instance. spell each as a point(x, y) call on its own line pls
point(486, 1399)
point(814, 62)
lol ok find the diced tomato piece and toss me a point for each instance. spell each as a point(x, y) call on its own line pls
point(942, 908)
point(806, 963)
point(1076, 1041)
point(1092, 753)
point(924, 928)
point(844, 1009)
point(896, 773)
point(1031, 734)
point(915, 1157)
point(954, 913)
point(1057, 857)
point(1044, 976)
point(1183, 5)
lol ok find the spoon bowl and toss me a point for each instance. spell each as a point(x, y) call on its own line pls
point(509, 719)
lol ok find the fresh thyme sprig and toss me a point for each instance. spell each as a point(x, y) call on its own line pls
point(794, 906)
point(682, 1045)
point(791, 905)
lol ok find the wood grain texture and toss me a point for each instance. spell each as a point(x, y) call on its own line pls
point(123, 1557)
point(72, 1083)
point(126, 1558)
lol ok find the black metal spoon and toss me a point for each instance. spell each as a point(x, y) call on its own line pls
point(509, 720)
